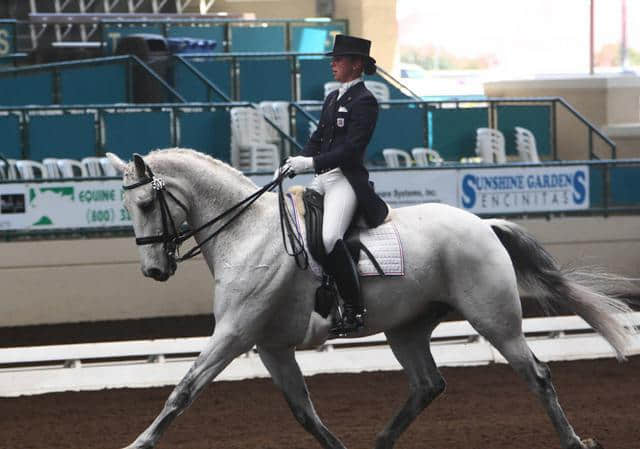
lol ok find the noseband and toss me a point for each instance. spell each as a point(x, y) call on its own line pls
point(170, 238)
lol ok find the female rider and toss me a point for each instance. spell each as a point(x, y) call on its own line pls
point(336, 152)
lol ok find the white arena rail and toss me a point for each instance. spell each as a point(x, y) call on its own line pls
point(154, 363)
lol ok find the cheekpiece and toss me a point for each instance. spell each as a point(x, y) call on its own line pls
point(157, 183)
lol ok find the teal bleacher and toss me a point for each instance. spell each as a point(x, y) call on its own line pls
point(39, 133)
point(234, 35)
point(254, 61)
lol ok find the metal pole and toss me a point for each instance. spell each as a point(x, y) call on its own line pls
point(175, 126)
point(623, 39)
point(591, 36)
point(606, 181)
point(554, 130)
point(24, 134)
point(293, 64)
point(99, 145)
point(425, 124)
point(57, 90)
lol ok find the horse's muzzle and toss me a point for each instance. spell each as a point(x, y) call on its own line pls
point(160, 275)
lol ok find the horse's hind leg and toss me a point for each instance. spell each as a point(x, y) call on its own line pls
point(502, 327)
point(538, 378)
point(410, 345)
point(282, 365)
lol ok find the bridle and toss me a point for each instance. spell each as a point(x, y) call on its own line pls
point(171, 238)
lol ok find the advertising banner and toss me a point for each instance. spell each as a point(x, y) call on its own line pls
point(524, 189)
point(62, 205)
point(398, 188)
point(408, 187)
point(87, 204)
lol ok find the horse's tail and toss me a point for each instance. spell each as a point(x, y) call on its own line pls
point(584, 292)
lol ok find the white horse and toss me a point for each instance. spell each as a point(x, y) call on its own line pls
point(453, 260)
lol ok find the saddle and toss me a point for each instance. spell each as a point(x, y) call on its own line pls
point(314, 211)
point(326, 294)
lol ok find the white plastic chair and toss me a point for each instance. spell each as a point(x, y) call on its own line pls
point(92, 166)
point(250, 149)
point(31, 169)
point(107, 167)
point(379, 90)
point(490, 145)
point(278, 113)
point(396, 158)
point(51, 165)
point(526, 145)
point(426, 156)
point(9, 173)
point(71, 168)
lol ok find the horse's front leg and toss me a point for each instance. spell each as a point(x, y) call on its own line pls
point(286, 374)
point(224, 346)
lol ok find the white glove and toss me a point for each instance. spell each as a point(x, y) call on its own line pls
point(300, 164)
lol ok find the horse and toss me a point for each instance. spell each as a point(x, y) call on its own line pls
point(262, 299)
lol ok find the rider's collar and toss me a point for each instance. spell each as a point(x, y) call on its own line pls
point(346, 86)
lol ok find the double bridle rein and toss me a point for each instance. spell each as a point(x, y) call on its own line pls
point(172, 237)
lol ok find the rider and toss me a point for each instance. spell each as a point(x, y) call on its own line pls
point(336, 152)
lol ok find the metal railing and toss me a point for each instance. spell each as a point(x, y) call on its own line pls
point(492, 105)
point(298, 111)
point(56, 68)
point(99, 110)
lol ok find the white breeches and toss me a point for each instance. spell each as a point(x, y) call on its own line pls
point(340, 204)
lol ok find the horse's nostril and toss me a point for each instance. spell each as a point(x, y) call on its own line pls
point(152, 272)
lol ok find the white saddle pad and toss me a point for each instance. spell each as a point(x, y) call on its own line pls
point(383, 242)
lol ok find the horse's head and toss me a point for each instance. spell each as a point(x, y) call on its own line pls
point(156, 213)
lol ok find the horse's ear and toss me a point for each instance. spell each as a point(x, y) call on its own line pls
point(141, 167)
point(117, 163)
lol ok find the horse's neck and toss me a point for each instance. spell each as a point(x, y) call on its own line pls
point(211, 194)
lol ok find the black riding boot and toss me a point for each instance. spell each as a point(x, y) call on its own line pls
point(343, 269)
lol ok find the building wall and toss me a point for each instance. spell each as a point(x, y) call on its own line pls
point(83, 280)
point(371, 19)
point(374, 20)
point(92, 280)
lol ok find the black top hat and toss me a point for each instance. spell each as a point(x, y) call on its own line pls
point(350, 45)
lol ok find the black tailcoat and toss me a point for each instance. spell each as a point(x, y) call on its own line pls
point(342, 136)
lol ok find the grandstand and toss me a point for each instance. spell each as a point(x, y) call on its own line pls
point(80, 78)
point(244, 81)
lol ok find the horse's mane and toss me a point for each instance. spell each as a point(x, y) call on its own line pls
point(207, 164)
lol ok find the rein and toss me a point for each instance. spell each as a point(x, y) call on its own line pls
point(172, 238)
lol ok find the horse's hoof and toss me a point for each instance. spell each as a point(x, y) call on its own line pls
point(590, 443)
